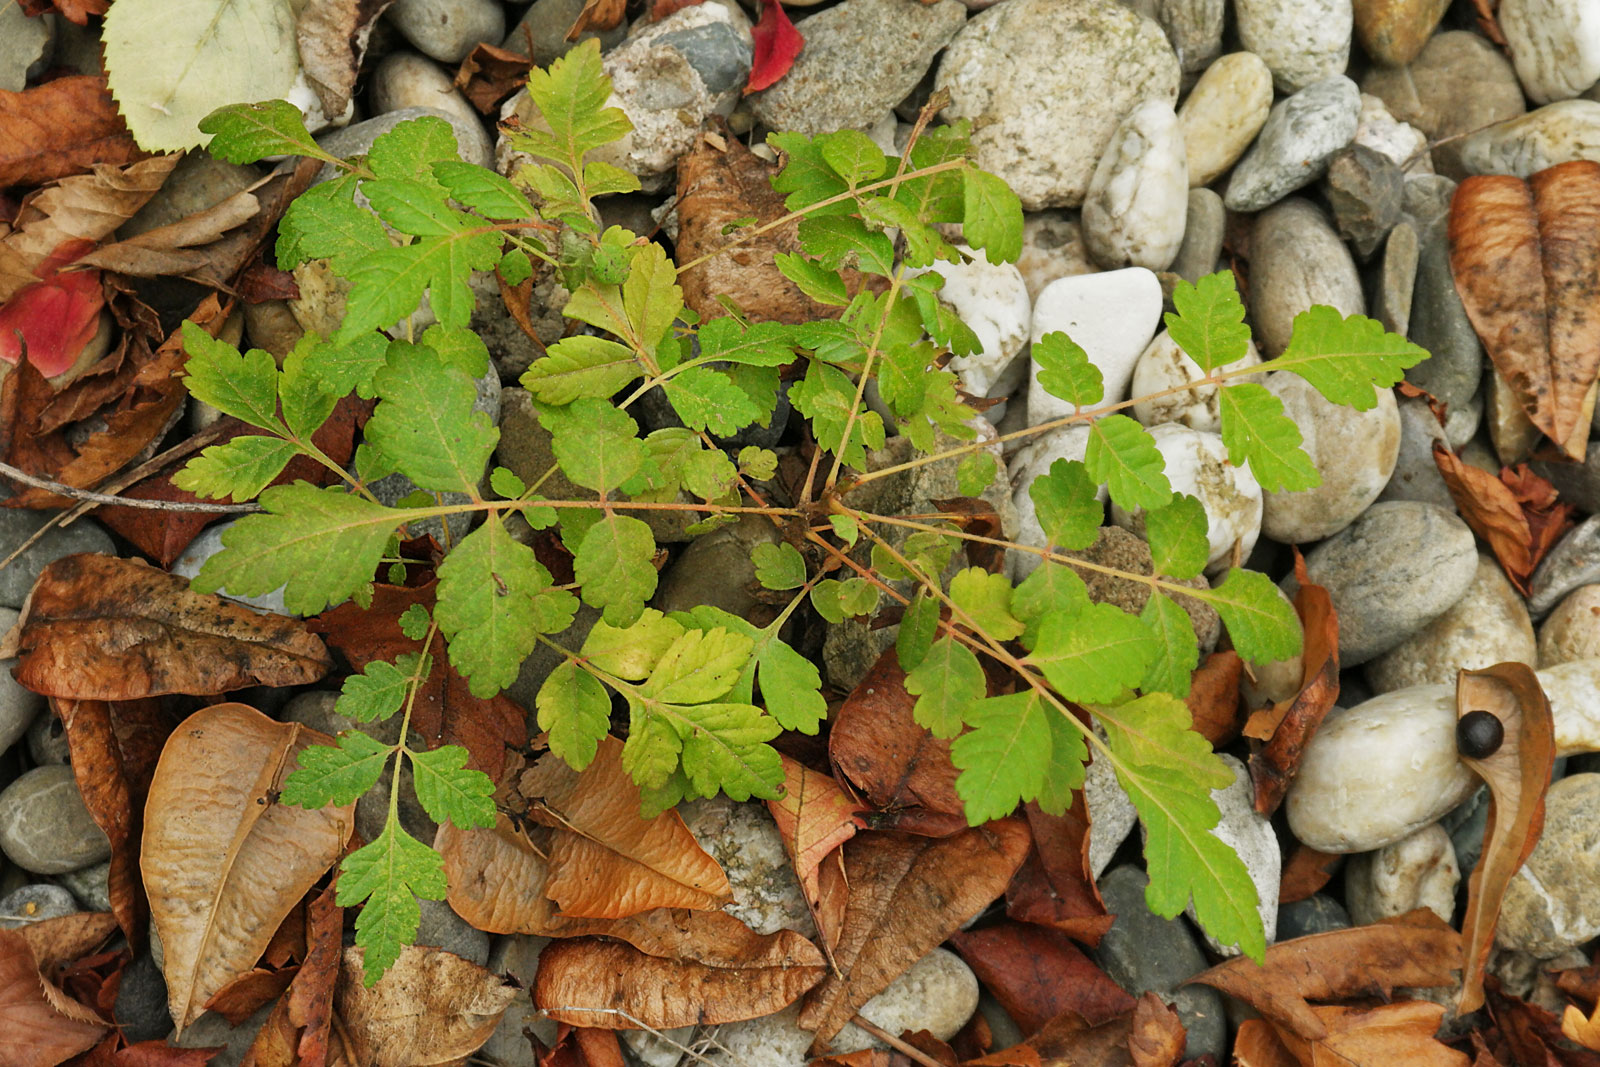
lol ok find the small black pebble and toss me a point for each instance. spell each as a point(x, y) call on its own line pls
point(1479, 734)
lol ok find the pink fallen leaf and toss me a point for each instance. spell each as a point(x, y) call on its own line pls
point(778, 44)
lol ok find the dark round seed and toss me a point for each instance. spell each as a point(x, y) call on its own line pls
point(1479, 734)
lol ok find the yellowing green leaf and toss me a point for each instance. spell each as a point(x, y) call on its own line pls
point(985, 599)
point(1256, 431)
point(575, 712)
point(1209, 323)
point(947, 684)
point(1094, 655)
point(1068, 510)
point(1344, 357)
point(1123, 455)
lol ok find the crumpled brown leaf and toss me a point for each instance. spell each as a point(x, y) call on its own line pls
point(1148, 1036)
point(62, 127)
point(333, 36)
point(907, 895)
point(597, 15)
point(1518, 773)
point(1533, 1035)
point(814, 817)
point(1288, 726)
point(223, 861)
point(606, 861)
point(42, 1025)
point(102, 628)
point(1380, 1036)
point(489, 74)
point(172, 249)
point(1517, 513)
point(1052, 887)
point(1414, 949)
point(1526, 261)
point(1037, 973)
point(431, 1007)
point(877, 745)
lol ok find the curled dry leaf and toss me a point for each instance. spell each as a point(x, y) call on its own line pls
point(1414, 949)
point(1068, 1041)
point(223, 862)
point(1053, 887)
point(42, 1025)
point(102, 628)
point(606, 862)
point(877, 745)
point(579, 979)
point(1584, 1029)
point(907, 895)
point(1526, 261)
point(332, 36)
point(1037, 973)
point(1306, 871)
point(1517, 773)
point(1256, 1044)
point(1532, 1035)
point(721, 183)
point(814, 817)
point(1213, 698)
point(175, 248)
point(431, 1007)
point(597, 15)
point(1157, 1037)
point(60, 128)
point(1380, 1036)
point(67, 937)
point(1288, 726)
point(490, 74)
point(1516, 512)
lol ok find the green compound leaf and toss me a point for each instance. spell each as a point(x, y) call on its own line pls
point(1169, 771)
point(706, 399)
point(389, 874)
point(325, 222)
point(1209, 323)
point(1068, 753)
point(918, 627)
point(1003, 759)
point(806, 177)
point(571, 96)
point(381, 687)
point(387, 285)
point(986, 600)
point(242, 385)
point(343, 369)
point(827, 396)
point(779, 566)
point(853, 156)
point(816, 281)
point(698, 666)
point(1179, 546)
point(245, 133)
point(1065, 371)
point(482, 190)
point(595, 443)
point(425, 425)
point(947, 683)
point(992, 219)
point(1178, 650)
point(1123, 456)
point(613, 566)
point(449, 790)
point(1051, 588)
point(1094, 655)
point(304, 395)
point(494, 602)
point(322, 545)
point(631, 652)
point(1259, 618)
point(575, 711)
point(327, 775)
point(724, 748)
point(1345, 357)
point(1256, 431)
point(1065, 501)
point(581, 366)
point(790, 685)
point(240, 468)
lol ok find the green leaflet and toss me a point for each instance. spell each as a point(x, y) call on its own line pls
point(380, 689)
point(779, 566)
point(389, 874)
point(706, 399)
point(992, 216)
point(581, 366)
point(918, 627)
point(1065, 371)
point(947, 683)
point(575, 711)
point(1123, 455)
point(1065, 503)
point(1179, 546)
point(449, 791)
point(571, 96)
point(986, 600)
point(240, 468)
point(425, 424)
point(387, 285)
point(613, 567)
point(1168, 771)
point(1344, 357)
point(1095, 654)
point(245, 133)
point(1209, 324)
point(1177, 649)
point(1256, 431)
point(336, 775)
point(242, 385)
point(1259, 618)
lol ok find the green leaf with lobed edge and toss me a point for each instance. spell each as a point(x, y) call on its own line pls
point(449, 790)
point(571, 95)
point(1209, 323)
point(575, 713)
point(992, 219)
point(1095, 654)
point(852, 155)
point(244, 385)
point(1065, 503)
point(594, 442)
point(1068, 753)
point(828, 397)
point(816, 281)
point(387, 285)
point(1177, 534)
point(947, 684)
point(806, 177)
point(239, 468)
point(1347, 358)
point(327, 775)
point(707, 399)
point(1123, 456)
point(379, 690)
point(246, 133)
point(1256, 431)
point(985, 599)
point(779, 566)
point(976, 472)
point(1260, 620)
point(1169, 771)
point(482, 190)
point(1052, 587)
point(790, 684)
point(425, 423)
point(325, 222)
point(1005, 755)
point(389, 874)
point(581, 366)
point(698, 666)
point(409, 150)
point(1065, 371)
point(613, 566)
point(1177, 649)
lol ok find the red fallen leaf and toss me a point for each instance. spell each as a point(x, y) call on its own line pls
point(1036, 974)
point(490, 74)
point(445, 711)
point(1517, 513)
point(1288, 726)
point(660, 9)
point(778, 44)
point(1517, 773)
point(1214, 697)
point(1533, 1034)
point(42, 1025)
point(1053, 887)
point(1305, 872)
point(261, 282)
point(54, 317)
point(157, 1053)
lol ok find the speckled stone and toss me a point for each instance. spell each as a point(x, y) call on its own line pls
point(1163, 366)
point(18, 524)
point(19, 706)
point(1416, 474)
point(992, 299)
point(1052, 247)
point(1133, 214)
point(1419, 871)
point(744, 841)
point(1018, 72)
point(1297, 261)
point(1303, 41)
point(1392, 32)
point(1556, 133)
point(1197, 464)
point(448, 29)
point(1118, 549)
point(1555, 45)
point(1573, 562)
point(35, 903)
point(1363, 187)
point(1458, 83)
point(405, 79)
point(1391, 572)
point(1551, 904)
point(1223, 113)
point(1488, 625)
point(44, 826)
point(1355, 452)
point(1572, 631)
point(1301, 135)
point(1400, 141)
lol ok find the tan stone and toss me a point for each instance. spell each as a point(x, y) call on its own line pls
point(1572, 630)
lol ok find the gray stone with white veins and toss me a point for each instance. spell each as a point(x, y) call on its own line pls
point(44, 826)
point(35, 903)
point(1133, 214)
point(1302, 134)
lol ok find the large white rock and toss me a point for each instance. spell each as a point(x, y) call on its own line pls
point(1556, 133)
point(1163, 366)
point(1134, 213)
point(1419, 871)
point(1111, 316)
point(1555, 45)
point(1303, 41)
point(1197, 464)
point(991, 298)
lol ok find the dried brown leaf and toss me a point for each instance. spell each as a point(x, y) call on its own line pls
point(42, 1026)
point(173, 248)
point(333, 35)
point(1213, 698)
point(1037, 973)
point(1414, 949)
point(1533, 1035)
point(249, 992)
point(877, 745)
point(1306, 871)
point(490, 74)
point(60, 128)
point(1517, 773)
point(1584, 1029)
point(1379, 1036)
point(1526, 261)
point(606, 862)
point(597, 15)
point(1068, 1041)
point(814, 817)
point(223, 861)
point(1288, 726)
point(1158, 1037)
point(907, 895)
point(67, 937)
point(431, 1007)
point(102, 628)
point(1053, 887)
point(1256, 1044)
point(1517, 513)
